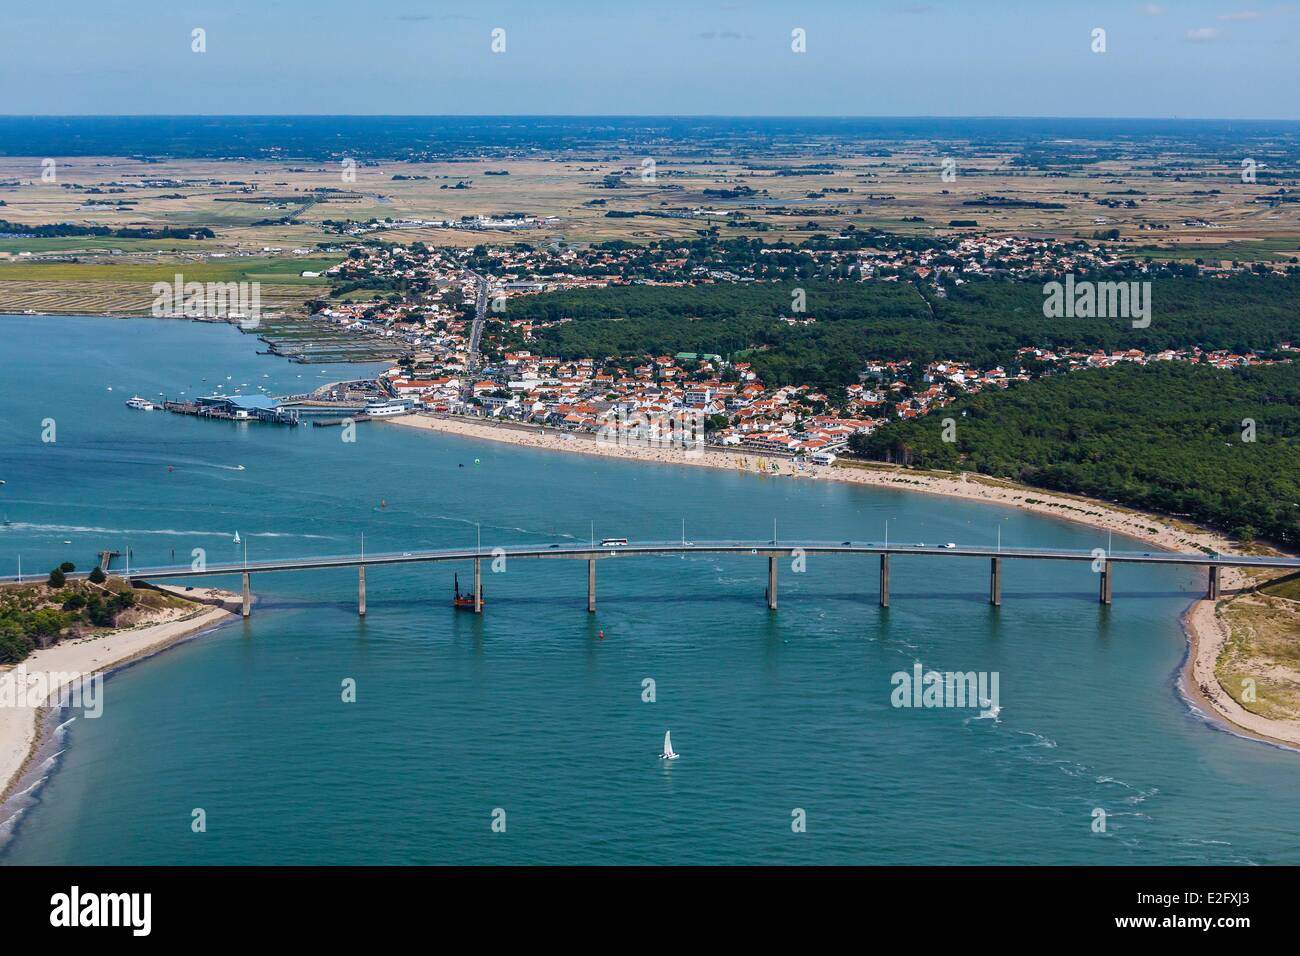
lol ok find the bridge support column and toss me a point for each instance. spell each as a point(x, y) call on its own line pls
point(478, 586)
point(361, 590)
point(995, 583)
point(884, 580)
point(771, 582)
point(1106, 583)
point(248, 597)
point(1212, 591)
point(591, 585)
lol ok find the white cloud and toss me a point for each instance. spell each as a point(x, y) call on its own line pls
point(1153, 9)
point(1241, 15)
point(1203, 35)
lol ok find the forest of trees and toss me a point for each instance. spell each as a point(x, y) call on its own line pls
point(982, 322)
point(54, 230)
point(1175, 438)
point(738, 320)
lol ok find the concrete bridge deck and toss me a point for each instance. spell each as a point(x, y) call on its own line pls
point(779, 549)
point(773, 550)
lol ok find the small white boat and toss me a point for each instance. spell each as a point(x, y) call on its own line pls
point(236, 537)
point(141, 403)
point(668, 748)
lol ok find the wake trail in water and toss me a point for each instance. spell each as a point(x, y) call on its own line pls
point(116, 458)
point(174, 532)
point(456, 519)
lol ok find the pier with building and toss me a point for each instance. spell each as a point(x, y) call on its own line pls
point(332, 404)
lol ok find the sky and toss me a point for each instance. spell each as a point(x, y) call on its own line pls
point(1179, 58)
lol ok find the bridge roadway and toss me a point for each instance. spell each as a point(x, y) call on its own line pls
point(769, 549)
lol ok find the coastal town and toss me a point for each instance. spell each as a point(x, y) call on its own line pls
point(429, 318)
point(738, 409)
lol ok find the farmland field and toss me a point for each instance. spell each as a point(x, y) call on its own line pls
point(274, 219)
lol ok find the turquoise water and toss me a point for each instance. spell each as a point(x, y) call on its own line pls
point(527, 709)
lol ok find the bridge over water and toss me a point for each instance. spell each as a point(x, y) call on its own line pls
point(1104, 561)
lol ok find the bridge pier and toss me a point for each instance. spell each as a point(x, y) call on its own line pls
point(884, 580)
point(1106, 583)
point(995, 583)
point(478, 586)
point(771, 582)
point(361, 590)
point(1212, 591)
point(591, 585)
point(248, 597)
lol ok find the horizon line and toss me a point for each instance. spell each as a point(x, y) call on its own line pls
point(659, 116)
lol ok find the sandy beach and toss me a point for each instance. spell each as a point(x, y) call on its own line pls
point(1207, 633)
point(19, 725)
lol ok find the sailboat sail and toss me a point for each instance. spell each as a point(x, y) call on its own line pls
point(668, 743)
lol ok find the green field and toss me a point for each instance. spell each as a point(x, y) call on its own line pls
point(282, 271)
point(1246, 250)
point(101, 244)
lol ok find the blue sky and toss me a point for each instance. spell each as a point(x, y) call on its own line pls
point(1185, 58)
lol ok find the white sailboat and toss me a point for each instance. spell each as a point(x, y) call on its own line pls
point(236, 537)
point(668, 748)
